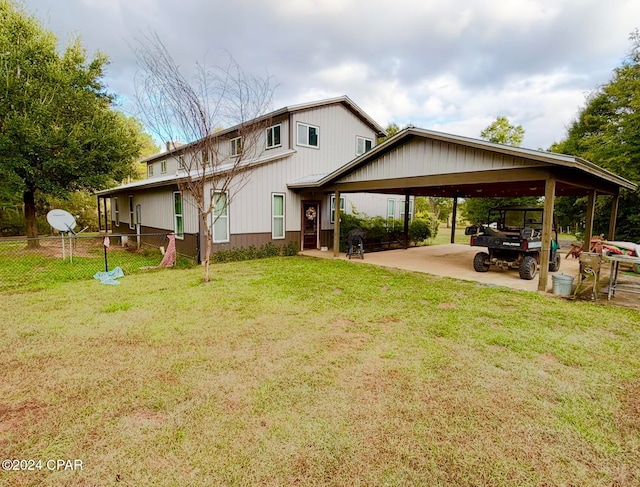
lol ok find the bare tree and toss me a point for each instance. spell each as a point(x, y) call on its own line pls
point(219, 111)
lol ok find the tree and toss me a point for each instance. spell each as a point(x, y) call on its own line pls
point(501, 131)
point(178, 108)
point(607, 132)
point(391, 130)
point(58, 130)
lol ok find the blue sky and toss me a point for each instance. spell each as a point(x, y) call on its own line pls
point(452, 66)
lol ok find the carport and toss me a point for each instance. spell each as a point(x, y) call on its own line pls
point(419, 162)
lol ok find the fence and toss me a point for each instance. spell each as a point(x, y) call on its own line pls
point(35, 263)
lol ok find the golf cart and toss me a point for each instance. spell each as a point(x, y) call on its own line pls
point(513, 237)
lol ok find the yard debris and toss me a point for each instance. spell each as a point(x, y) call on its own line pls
point(110, 277)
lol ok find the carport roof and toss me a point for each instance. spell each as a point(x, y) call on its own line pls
point(437, 164)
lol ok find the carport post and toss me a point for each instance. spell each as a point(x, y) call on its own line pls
point(615, 200)
point(336, 225)
point(547, 226)
point(407, 194)
point(588, 226)
point(454, 216)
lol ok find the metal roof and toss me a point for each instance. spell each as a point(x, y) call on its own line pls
point(575, 174)
point(344, 100)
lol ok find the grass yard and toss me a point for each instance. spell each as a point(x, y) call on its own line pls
point(298, 371)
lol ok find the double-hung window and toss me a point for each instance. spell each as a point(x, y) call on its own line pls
point(391, 209)
point(149, 170)
point(236, 146)
point(132, 223)
point(220, 217)
point(116, 211)
point(277, 216)
point(273, 137)
point(333, 207)
point(363, 145)
point(178, 221)
point(410, 210)
point(308, 135)
point(163, 167)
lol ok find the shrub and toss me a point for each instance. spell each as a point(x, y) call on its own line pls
point(269, 249)
point(419, 230)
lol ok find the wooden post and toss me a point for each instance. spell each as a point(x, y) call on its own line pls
point(454, 216)
point(336, 224)
point(547, 226)
point(588, 226)
point(615, 200)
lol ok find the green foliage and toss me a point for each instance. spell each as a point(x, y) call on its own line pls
point(501, 131)
point(476, 210)
point(420, 230)
point(381, 231)
point(252, 252)
point(607, 132)
point(392, 129)
point(59, 131)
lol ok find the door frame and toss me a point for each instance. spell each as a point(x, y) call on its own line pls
point(318, 206)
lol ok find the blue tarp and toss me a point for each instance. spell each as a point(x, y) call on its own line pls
point(109, 277)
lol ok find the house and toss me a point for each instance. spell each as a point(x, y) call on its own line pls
point(297, 144)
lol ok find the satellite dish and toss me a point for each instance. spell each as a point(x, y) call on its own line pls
point(61, 220)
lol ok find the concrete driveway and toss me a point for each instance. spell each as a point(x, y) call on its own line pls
point(453, 260)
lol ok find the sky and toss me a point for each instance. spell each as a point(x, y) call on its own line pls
point(452, 65)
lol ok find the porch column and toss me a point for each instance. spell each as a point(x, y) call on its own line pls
point(407, 194)
point(99, 215)
point(454, 216)
point(547, 226)
point(588, 226)
point(336, 225)
point(615, 200)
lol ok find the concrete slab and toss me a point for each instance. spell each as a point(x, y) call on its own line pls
point(452, 260)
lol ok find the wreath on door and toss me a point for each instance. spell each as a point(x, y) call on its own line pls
point(311, 213)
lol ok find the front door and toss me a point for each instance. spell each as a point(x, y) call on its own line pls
point(311, 217)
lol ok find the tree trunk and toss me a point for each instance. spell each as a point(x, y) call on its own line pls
point(29, 198)
point(207, 256)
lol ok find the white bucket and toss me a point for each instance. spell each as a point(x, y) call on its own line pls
point(562, 284)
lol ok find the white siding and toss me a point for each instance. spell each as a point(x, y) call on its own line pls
point(156, 209)
point(421, 157)
point(250, 209)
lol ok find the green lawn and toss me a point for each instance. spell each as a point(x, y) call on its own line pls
point(298, 371)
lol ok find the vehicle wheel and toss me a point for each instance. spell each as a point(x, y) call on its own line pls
point(481, 262)
point(554, 263)
point(528, 268)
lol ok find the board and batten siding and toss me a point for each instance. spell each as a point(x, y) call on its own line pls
point(420, 157)
point(156, 209)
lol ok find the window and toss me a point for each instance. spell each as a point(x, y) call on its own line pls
point(333, 207)
point(149, 170)
point(410, 210)
point(163, 167)
point(205, 156)
point(181, 162)
point(116, 211)
point(236, 146)
point(131, 213)
point(308, 135)
point(273, 137)
point(178, 222)
point(220, 218)
point(277, 214)
point(363, 145)
point(391, 208)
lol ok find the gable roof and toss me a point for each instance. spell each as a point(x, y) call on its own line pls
point(344, 100)
point(489, 169)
